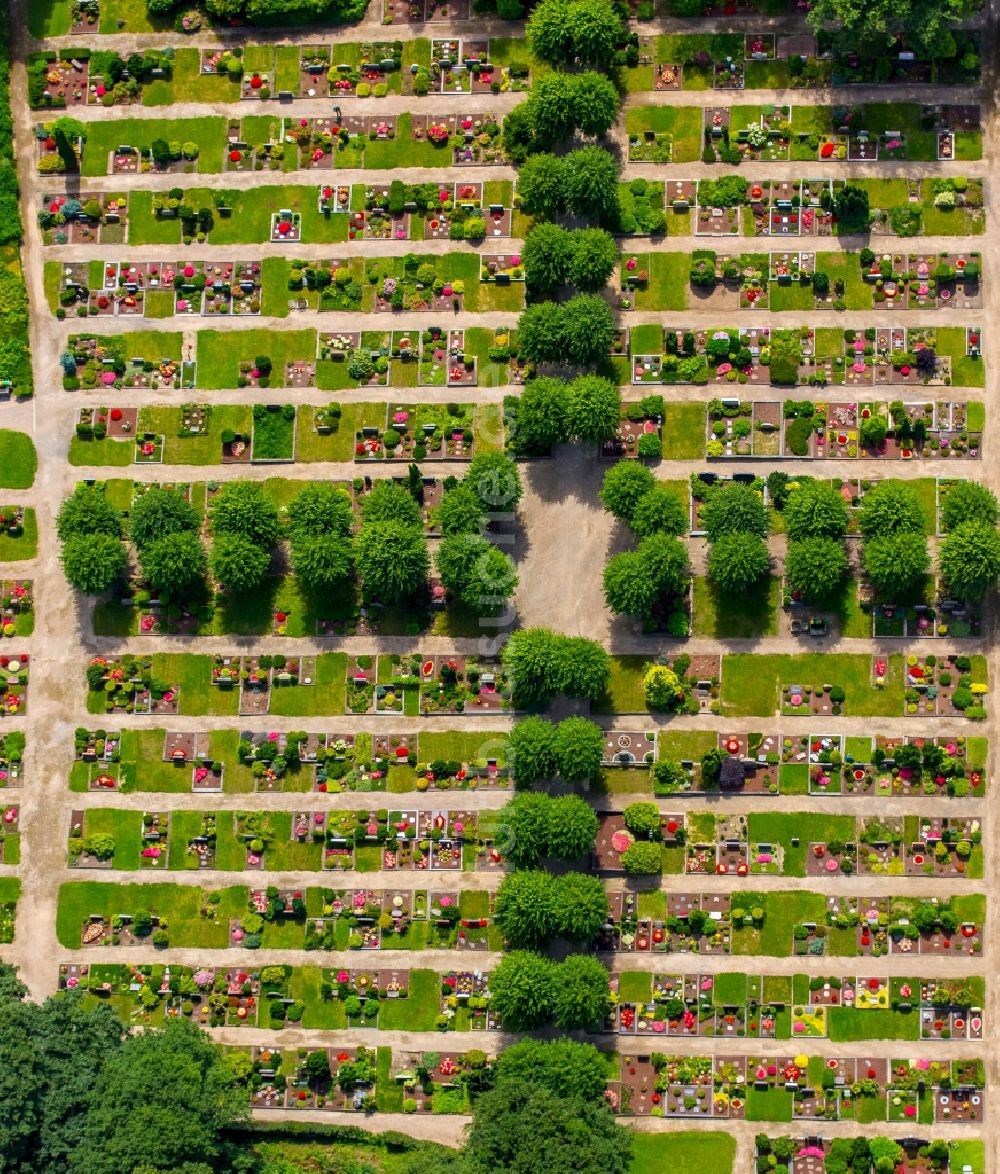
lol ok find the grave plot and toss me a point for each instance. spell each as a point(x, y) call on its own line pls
point(881, 850)
point(314, 68)
point(414, 283)
point(377, 222)
point(948, 1009)
point(943, 847)
point(154, 839)
point(443, 359)
point(90, 218)
point(815, 216)
point(729, 1078)
point(639, 431)
point(66, 83)
point(623, 748)
point(715, 219)
point(683, 1082)
point(448, 70)
point(419, 432)
point(10, 839)
point(458, 684)
point(333, 198)
point(753, 755)
point(89, 845)
point(316, 139)
point(830, 858)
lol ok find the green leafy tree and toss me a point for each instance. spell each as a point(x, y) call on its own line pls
point(174, 563)
point(481, 575)
point(542, 417)
point(524, 821)
point(815, 510)
point(522, 1129)
point(239, 564)
point(629, 589)
point(890, 507)
point(582, 996)
point(392, 560)
point(321, 509)
point(593, 102)
point(922, 24)
point(67, 132)
point(531, 751)
point(523, 909)
point(88, 511)
point(572, 827)
point(159, 512)
point(564, 1067)
point(625, 485)
point(460, 511)
point(568, 32)
point(161, 1100)
point(539, 333)
point(94, 562)
point(322, 563)
point(594, 406)
point(541, 184)
point(577, 749)
point(389, 502)
point(643, 819)
point(583, 668)
point(896, 564)
point(666, 563)
point(734, 508)
point(579, 904)
point(551, 108)
point(246, 509)
point(529, 658)
point(660, 511)
point(969, 559)
point(592, 182)
point(521, 989)
point(738, 561)
point(549, 34)
point(851, 207)
point(496, 480)
point(662, 688)
point(546, 255)
point(816, 567)
point(968, 501)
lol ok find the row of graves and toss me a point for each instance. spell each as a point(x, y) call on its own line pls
point(96, 364)
point(798, 207)
point(760, 763)
point(439, 354)
point(87, 218)
point(447, 212)
point(195, 287)
point(727, 71)
point(878, 356)
point(739, 1006)
point(817, 1087)
point(421, 432)
point(864, 429)
point(375, 919)
point(809, 1154)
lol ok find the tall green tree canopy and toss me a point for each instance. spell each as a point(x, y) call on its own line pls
point(874, 25)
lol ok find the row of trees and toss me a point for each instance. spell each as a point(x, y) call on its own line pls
point(538, 750)
point(558, 106)
point(535, 908)
point(577, 333)
point(536, 827)
point(567, 33)
point(529, 991)
point(584, 182)
point(553, 257)
point(552, 411)
point(653, 578)
point(542, 663)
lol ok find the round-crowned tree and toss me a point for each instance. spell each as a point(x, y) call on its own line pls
point(531, 751)
point(174, 563)
point(625, 484)
point(734, 509)
point(815, 568)
point(660, 511)
point(388, 502)
point(586, 331)
point(524, 828)
point(593, 258)
point(582, 668)
point(594, 407)
point(321, 509)
point(239, 564)
point(93, 562)
point(542, 419)
point(592, 183)
point(521, 989)
point(629, 589)
point(159, 512)
point(890, 507)
point(572, 827)
point(460, 511)
point(88, 511)
point(495, 478)
point(896, 564)
point(815, 510)
point(582, 994)
point(541, 184)
point(523, 909)
point(392, 560)
point(577, 749)
point(968, 501)
point(322, 562)
point(579, 906)
point(969, 559)
point(244, 508)
point(539, 333)
point(546, 255)
point(738, 561)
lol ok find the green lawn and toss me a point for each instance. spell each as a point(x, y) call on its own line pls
point(686, 744)
point(854, 1023)
point(683, 122)
point(25, 545)
point(685, 1152)
point(209, 134)
point(179, 904)
point(667, 288)
point(970, 1153)
point(782, 827)
point(751, 683)
point(220, 353)
point(683, 431)
point(751, 615)
point(625, 693)
point(784, 910)
point(18, 460)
